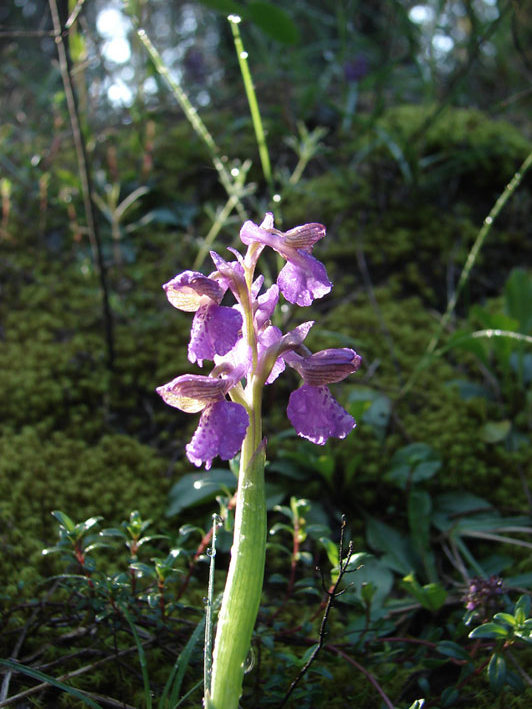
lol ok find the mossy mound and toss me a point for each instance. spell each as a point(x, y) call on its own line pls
point(40, 473)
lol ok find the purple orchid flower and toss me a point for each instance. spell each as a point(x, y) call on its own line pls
point(244, 344)
point(312, 410)
point(222, 425)
point(303, 278)
point(215, 328)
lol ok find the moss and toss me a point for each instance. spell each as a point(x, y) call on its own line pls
point(39, 474)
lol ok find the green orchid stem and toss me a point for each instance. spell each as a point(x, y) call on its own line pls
point(243, 589)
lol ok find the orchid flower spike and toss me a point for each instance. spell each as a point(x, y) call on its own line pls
point(245, 345)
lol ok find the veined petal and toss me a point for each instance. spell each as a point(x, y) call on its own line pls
point(303, 278)
point(215, 331)
point(273, 346)
point(326, 367)
point(268, 337)
point(304, 236)
point(220, 432)
point(192, 392)
point(231, 274)
point(237, 363)
point(317, 416)
point(266, 305)
point(295, 337)
point(190, 290)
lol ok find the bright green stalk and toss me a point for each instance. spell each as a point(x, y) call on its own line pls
point(241, 599)
point(508, 191)
point(252, 101)
point(243, 588)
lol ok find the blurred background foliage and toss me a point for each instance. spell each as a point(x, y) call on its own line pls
point(395, 123)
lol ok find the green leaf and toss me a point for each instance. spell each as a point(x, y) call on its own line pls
point(450, 649)
point(375, 573)
point(490, 630)
point(450, 507)
point(413, 463)
point(497, 672)
point(518, 298)
point(196, 488)
point(462, 340)
point(522, 608)
point(434, 596)
point(419, 511)
point(431, 596)
point(378, 414)
point(273, 21)
point(495, 431)
point(506, 618)
point(398, 553)
point(142, 569)
point(331, 549)
point(449, 696)
point(64, 520)
point(308, 654)
point(470, 390)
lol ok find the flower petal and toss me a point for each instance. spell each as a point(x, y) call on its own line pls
point(303, 278)
point(215, 330)
point(231, 274)
point(190, 290)
point(316, 415)
point(304, 236)
point(266, 305)
point(192, 392)
point(326, 366)
point(220, 432)
point(271, 336)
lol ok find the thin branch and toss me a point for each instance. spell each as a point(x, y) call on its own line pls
point(331, 595)
point(84, 176)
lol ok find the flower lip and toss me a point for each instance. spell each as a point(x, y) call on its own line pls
point(220, 432)
point(317, 416)
point(190, 290)
point(326, 367)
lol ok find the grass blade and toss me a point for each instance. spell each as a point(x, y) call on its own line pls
point(36, 674)
point(142, 659)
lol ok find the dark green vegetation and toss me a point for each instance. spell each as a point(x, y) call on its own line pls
point(435, 481)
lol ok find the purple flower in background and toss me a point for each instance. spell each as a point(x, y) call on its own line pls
point(215, 328)
point(303, 278)
point(222, 425)
point(312, 410)
point(356, 68)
